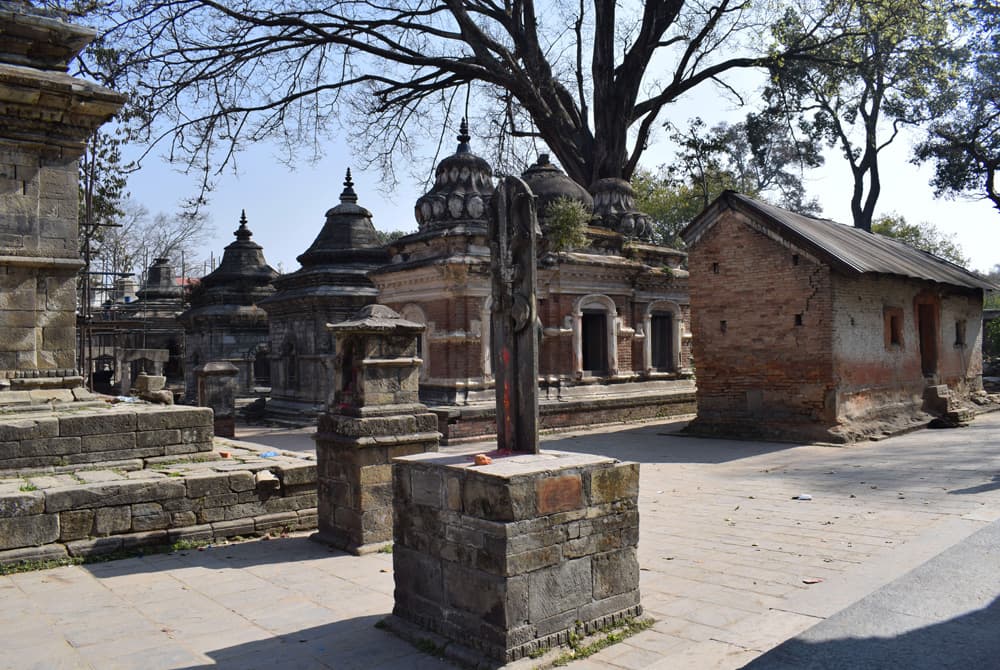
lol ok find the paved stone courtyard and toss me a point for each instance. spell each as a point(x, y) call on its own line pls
point(726, 555)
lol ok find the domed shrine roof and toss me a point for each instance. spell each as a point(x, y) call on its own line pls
point(347, 234)
point(242, 278)
point(463, 186)
point(549, 183)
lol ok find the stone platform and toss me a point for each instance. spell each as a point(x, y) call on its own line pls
point(519, 555)
point(574, 406)
point(92, 480)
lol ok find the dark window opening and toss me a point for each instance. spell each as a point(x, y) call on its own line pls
point(798, 319)
point(960, 332)
point(715, 268)
point(795, 259)
point(262, 369)
point(723, 326)
point(661, 326)
point(595, 341)
point(895, 330)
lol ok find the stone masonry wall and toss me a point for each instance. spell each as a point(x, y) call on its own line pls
point(515, 556)
point(68, 439)
point(100, 511)
point(762, 332)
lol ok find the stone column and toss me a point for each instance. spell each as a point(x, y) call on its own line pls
point(217, 390)
point(46, 117)
point(374, 416)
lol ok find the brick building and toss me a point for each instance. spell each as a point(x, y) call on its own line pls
point(805, 328)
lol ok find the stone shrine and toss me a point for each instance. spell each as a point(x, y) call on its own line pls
point(331, 285)
point(615, 342)
point(520, 553)
point(375, 415)
point(81, 476)
point(224, 322)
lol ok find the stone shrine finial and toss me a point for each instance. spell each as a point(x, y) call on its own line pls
point(243, 233)
point(463, 138)
point(348, 195)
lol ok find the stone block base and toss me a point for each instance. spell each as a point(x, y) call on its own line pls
point(354, 465)
point(63, 439)
point(515, 556)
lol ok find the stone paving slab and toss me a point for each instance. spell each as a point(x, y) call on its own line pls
point(725, 553)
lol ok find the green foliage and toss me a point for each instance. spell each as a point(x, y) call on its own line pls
point(991, 332)
point(964, 143)
point(28, 487)
point(565, 222)
point(760, 157)
point(605, 638)
point(924, 236)
point(386, 238)
point(877, 66)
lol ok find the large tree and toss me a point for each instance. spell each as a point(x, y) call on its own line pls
point(880, 76)
point(965, 143)
point(589, 79)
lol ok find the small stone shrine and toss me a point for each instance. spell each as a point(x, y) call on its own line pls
point(375, 416)
point(224, 322)
point(331, 285)
point(516, 554)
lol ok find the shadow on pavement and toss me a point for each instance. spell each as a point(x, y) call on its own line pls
point(992, 485)
point(285, 551)
point(968, 641)
point(345, 645)
point(662, 443)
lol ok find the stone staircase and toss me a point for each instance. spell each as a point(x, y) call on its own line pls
point(949, 413)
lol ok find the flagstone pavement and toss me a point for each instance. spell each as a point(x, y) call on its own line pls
point(731, 564)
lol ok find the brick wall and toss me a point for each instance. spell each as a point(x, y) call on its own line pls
point(761, 321)
point(877, 375)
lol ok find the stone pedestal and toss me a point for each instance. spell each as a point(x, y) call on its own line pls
point(515, 556)
point(374, 417)
point(217, 382)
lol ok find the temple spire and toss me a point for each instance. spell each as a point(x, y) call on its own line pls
point(243, 233)
point(348, 195)
point(463, 138)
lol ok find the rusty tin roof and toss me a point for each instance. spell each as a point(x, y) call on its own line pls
point(846, 248)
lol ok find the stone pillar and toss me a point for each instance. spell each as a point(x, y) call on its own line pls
point(520, 552)
point(46, 117)
point(217, 390)
point(374, 416)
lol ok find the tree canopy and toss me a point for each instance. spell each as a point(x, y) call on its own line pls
point(761, 157)
point(590, 79)
point(881, 74)
point(964, 143)
point(924, 236)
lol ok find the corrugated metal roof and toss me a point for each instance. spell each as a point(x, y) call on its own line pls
point(848, 248)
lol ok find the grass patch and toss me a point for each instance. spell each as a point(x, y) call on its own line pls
point(605, 637)
point(31, 566)
point(28, 487)
point(387, 549)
